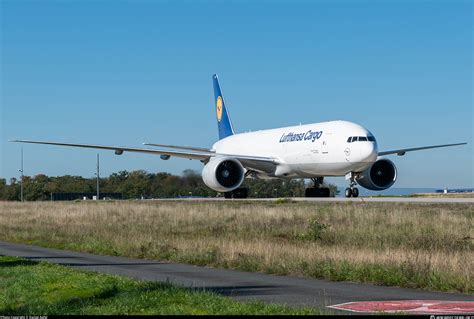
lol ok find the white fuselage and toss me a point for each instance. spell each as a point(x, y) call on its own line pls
point(311, 150)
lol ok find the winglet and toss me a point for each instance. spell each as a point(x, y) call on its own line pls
point(223, 120)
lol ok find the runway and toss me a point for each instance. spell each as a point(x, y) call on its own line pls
point(293, 291)
point(422, 200)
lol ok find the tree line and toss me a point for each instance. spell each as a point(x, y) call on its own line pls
point(141, 184)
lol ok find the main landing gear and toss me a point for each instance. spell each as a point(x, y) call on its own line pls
point(237, 193)
point(352, 191)
point(317, 190)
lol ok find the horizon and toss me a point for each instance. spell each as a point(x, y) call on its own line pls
point(364, 192)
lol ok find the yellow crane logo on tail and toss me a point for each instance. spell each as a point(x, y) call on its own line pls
point(219, 108)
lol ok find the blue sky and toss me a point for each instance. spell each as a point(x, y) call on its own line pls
point(127, 72)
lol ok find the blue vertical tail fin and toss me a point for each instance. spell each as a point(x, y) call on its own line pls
point(223, 120)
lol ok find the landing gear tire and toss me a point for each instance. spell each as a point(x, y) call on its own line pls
point(237, 193)
point(317, 192)
point(352, 192)
point(348, 192)
point(355, 192)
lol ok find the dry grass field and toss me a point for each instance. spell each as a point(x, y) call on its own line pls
point(426, 246)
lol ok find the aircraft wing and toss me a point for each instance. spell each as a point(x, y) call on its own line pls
point(253, 162)
point(197, 155)
point(188, 148)
point(257, 163)
point(402, 151)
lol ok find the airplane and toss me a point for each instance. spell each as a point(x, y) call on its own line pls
point(311, 151)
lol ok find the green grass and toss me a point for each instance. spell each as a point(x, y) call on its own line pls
point(40, 288)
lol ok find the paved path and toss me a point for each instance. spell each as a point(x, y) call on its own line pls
point(429, 200)
point(293, 291)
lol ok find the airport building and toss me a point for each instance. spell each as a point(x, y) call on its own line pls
point(84, 196)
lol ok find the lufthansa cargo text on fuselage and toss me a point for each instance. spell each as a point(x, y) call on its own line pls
point(307, 136)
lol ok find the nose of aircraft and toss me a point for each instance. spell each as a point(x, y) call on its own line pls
point(368, 151)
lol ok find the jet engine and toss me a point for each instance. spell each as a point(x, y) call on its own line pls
point(223, 174)
point(381, 175)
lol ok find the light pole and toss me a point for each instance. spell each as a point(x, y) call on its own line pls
point(21, 178)
point(98, 175)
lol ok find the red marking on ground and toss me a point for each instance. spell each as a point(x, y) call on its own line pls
point(409, 306)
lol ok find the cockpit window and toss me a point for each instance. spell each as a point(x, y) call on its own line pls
point(369, 138)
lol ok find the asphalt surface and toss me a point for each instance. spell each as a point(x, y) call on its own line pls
point(293, 291)
point(426, 200)
point(433, 200)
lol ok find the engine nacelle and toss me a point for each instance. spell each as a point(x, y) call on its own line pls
point(223, 174)
point(381, 175)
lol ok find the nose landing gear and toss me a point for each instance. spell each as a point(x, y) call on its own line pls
point(352, 191)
